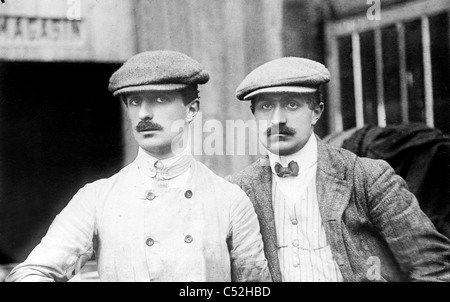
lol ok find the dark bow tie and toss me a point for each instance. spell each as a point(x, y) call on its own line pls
point(290, 170)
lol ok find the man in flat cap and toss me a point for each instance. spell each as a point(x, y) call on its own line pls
point(164, 217)
point(326, 214)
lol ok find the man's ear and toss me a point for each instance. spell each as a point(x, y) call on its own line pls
point(317, 113)
point(192, 110)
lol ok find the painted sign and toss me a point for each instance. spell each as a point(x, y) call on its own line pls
point(67, 30)
point(33, 30)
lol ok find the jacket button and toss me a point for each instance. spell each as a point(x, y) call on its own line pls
point(150, 196)
point(188, 194)
point(150, 242)
point(188, 239)
point(158, 165)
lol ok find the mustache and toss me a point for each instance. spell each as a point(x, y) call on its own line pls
point(148, 126)
point(280, 129)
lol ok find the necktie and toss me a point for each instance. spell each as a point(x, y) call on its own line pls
point(290, 170)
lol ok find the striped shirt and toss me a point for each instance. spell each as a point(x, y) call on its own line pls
point(303, 251)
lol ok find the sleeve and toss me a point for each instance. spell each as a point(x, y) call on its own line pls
point(66, 247)
point(421, 251)
point(248, 263)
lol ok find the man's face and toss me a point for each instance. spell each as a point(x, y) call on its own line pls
point(152, 115)
point(285, 120)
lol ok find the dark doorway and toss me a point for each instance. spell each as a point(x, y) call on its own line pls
point(60, 128)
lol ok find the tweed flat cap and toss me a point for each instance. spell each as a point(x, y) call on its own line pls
point(157, 70)
point(289, 74)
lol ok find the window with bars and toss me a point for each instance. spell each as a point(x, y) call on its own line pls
point(393, 70)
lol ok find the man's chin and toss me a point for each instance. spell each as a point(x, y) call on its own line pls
point(279, 148)
point(149, 142)
point(158, 146)
point(156, 150)
point(282, 148)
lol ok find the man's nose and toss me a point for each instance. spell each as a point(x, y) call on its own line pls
point(145, 111)
point(278, 116)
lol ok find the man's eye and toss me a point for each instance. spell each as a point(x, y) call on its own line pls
point(160, 100)
point(292, 105)
point(266, 106)
point(135, 101)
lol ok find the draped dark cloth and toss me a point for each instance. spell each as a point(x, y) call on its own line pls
point(419, 154)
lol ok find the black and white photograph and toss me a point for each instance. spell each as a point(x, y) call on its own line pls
point(222, 141)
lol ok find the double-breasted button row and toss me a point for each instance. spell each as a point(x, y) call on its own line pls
point(151, 241)
point(150, 195)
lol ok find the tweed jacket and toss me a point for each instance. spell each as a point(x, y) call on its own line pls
point(373, 224)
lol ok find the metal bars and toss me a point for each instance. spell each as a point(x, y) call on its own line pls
point(418, 10)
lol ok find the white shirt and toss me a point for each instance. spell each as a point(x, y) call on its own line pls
point(303, 251)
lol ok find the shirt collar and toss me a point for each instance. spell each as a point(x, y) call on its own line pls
point(305, 157)
point(164, 169)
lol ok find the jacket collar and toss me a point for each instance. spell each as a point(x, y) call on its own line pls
point(163, 169)
point(333, 183)
point(136, 189)
point(334, 190)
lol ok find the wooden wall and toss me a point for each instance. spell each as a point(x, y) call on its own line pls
point(230, 38)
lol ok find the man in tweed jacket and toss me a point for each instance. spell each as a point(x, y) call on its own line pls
point(354, 218)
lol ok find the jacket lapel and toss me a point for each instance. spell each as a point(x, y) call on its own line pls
point(262, 191)
point(334, 188)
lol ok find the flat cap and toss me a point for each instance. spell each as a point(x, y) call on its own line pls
point(157, 70)
point(289, 74)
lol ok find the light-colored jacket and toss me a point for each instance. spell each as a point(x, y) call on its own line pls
point(205, 231)
point(374, 225)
